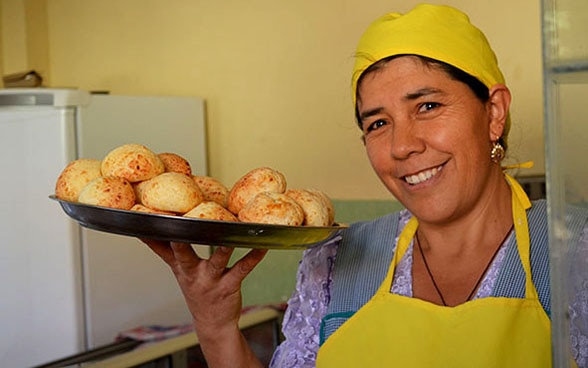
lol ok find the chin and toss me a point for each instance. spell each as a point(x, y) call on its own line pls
point(430, 211)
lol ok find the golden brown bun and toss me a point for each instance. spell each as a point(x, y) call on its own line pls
point(210, 210)
point(108, 191)
point(272, 208)
point(138, 187)
point(263, 179)
point(140, 208)
point(133, 162)
point(327, 203)
point(172, 192)
point(173, 162)
point(76, 175)
point(316, 212)
point(132, 177)
point(212, 189)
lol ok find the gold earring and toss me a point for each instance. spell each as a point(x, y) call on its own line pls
point(497, 153)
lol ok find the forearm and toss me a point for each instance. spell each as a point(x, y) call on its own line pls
point(213, 295)
point(227, 349)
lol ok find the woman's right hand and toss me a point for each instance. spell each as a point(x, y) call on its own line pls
point(212, 292)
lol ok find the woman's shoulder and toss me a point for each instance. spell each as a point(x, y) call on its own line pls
point(575, 217)
point(381, 226)
point(361, 236)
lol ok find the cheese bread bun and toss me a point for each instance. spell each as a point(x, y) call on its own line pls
point(108, 191)
point(327, 202)
point(76, 175)
point(263, 179)
point(210, 210)
point(173, 192)
point(138, 188)
point(134, 162)
point(212, 189)
point(316, 212)
point(272, 208)
point(140, 208)
point(172, 162)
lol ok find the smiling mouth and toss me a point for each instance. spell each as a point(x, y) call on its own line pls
point(422, 176)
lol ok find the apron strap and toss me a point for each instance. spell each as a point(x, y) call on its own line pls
point(520, 204)
point(363, 257)
point(511, 277)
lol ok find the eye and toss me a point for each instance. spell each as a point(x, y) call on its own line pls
point(428, 106)
point(374, 125)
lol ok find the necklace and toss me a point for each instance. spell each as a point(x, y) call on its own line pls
point(479, 278)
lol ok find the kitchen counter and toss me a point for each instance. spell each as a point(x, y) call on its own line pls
point(177, 345)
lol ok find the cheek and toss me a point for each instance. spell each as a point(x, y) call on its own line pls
point(473, 136)
point(458, 138)
point(377, 155)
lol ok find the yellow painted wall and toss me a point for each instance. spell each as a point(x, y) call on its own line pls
point(37, 38)
point(275, 74)
point(13, 33)
point(24, 36)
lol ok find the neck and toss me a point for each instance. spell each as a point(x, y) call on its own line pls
point(456, 295)
point(480, 227)
point(453, 256)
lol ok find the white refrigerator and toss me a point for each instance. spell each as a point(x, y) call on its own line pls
point(66, 289)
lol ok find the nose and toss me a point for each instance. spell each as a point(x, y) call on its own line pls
point(406, 140)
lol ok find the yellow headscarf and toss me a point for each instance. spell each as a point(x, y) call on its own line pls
point(435, 31)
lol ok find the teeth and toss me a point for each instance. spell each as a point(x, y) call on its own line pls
point(422, 176)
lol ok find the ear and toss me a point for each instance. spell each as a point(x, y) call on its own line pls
point(498, 107)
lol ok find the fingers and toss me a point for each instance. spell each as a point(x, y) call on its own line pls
point(183, 253)
point(219, 260)
point(160, 248)
point(176, 255)
point(181, 256)
point(247, 263)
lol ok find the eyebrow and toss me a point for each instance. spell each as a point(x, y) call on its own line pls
point(421, 92)
point(371, 112)
point(409, 96)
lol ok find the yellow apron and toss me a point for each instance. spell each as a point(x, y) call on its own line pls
point(399, 331)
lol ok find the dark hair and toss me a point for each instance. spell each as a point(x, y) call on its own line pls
point(479, 88)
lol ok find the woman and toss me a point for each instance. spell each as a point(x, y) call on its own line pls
point(461, 276)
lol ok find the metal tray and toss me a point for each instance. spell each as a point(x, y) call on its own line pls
point(196, 231)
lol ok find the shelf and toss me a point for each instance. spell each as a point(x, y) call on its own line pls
point(570, 71)
point(151, 352)
point(568, 66)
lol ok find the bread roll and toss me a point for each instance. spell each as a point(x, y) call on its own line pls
point(172, 192)
point(327, 203)
point(138, 187)
point(263, 179)
point(212, 189)
point(134, 162)
point(272, 208)
point(108, 191)
point(315, 210)
point(173, 162)
point(210, 210)
point(76, 175)
point(140, 208)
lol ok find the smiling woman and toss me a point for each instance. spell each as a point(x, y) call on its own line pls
point(458, 278)
point(427, 134)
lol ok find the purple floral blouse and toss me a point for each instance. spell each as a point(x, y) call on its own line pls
point(309, 301)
